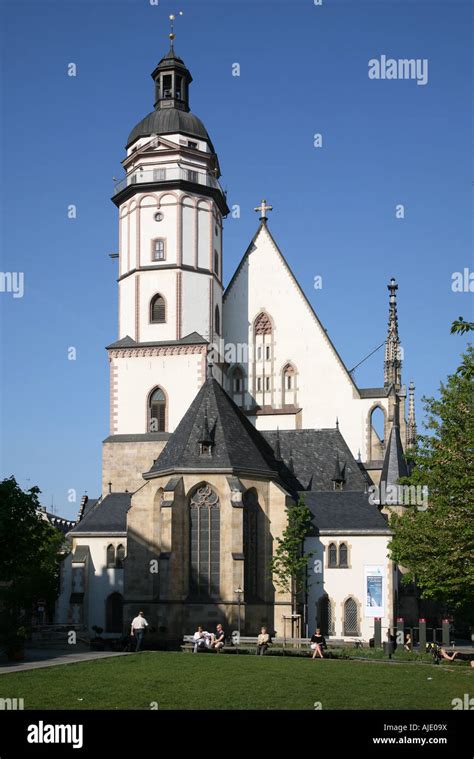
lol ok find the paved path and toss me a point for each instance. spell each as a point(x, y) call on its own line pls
point(36, 658)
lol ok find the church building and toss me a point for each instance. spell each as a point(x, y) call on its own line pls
point(225, 409)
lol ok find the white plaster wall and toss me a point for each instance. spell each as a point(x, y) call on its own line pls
point(179, 375)
point(195, 303)
point(100, 581)
point(151, 283)
point(340, 583)
point(325, 391)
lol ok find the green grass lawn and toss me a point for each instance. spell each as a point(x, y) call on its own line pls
point(184, 681)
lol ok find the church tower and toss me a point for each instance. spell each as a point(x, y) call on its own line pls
point(171, 208)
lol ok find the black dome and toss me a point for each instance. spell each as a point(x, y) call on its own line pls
point(169, 121)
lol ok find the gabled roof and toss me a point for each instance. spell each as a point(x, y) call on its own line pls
point(236, 444)
point(194, 338)
point(394, 464)
point(106, 516)
point(309, 459)
point(263, 227)
point(345, 511)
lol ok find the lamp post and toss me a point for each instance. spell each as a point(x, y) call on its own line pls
point(239, 592)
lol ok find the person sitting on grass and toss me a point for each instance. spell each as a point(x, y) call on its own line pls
point(444, 654)
point(218, 640)
point(263, 641)
point(318, 643)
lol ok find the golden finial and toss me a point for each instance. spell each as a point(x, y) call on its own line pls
point(172, 18)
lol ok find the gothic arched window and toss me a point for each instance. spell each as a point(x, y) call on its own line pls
point(263, 325)
point(343, 555)
point(157, 310)
point(204, 543)
point(157, 411)
point(111, 556)
point(120, 556)
point(253, 551)
point(351, 623)
point(324, 615)
point(332, 561)
point(217, 321)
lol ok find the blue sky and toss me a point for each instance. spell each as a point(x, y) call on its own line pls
point(304, 70)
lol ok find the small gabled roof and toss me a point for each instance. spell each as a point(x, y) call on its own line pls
point(394, 464)
point(106, 516)
point(235, 443)
point(345, 511)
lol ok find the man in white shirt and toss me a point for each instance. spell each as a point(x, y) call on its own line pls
point(139, 624)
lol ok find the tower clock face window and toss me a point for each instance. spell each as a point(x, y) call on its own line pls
point(158, 216)
point(159, 250)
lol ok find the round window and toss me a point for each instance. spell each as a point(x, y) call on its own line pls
point(158, 216)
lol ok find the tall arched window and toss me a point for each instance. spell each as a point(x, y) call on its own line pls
point(376, 434)
point(254, 571)
point(204, 543)
point(111, 556)
point(343, 555)
point(157, 411)
point(217, 321)
point(216, 263)
point(114, 613)
point(157, 309)
point(332, 553)
point(324, 615)
point(288, 384)
point(263, 358)
point(351, 621)
point(120, 556)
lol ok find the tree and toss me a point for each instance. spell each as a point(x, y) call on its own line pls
point(460, 327)
point(289, 563)
point(31, 550)
point(436, 546)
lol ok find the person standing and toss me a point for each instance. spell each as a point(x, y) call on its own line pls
point(139, 625)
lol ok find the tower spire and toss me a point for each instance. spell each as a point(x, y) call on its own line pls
point(392, 362)
point(411, 426)
point(172, 35)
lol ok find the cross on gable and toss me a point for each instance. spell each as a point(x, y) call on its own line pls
point(263, 208)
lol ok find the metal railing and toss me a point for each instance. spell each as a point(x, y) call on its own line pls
point(157, 176)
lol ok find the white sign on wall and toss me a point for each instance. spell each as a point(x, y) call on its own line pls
point(374, 589)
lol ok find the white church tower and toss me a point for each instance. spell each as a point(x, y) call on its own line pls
point(171, 207)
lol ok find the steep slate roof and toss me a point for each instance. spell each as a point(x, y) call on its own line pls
point(309, 459)
point(237, 445)
point(394, 464)
point(345, 511)
point(108, 515)
point(194, 338)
